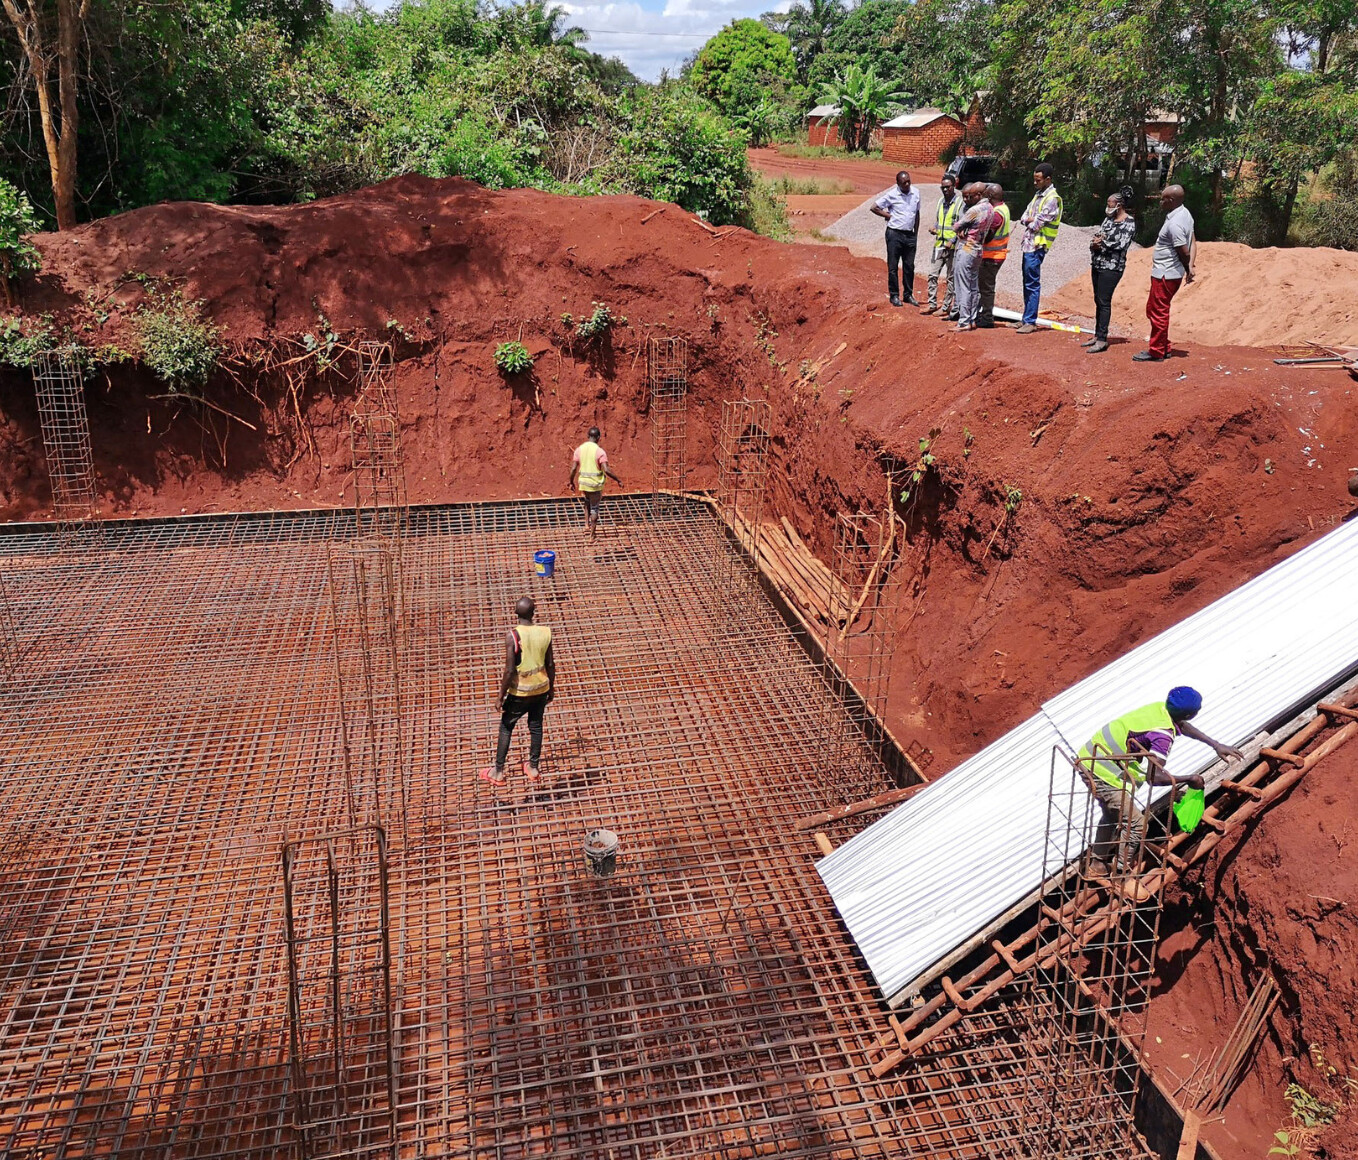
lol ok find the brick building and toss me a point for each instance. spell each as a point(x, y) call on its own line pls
point(920, 138)
point(820, 130)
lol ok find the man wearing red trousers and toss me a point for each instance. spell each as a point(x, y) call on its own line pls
point(1171, 267)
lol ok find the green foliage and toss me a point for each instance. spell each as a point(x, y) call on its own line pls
point(1307, 1110)
point(866, 36)
point(808, 26)
point(513, 358)
point(600, 321)
point(673, 146)
point(18, 255)
point(923, 465)
point(177, 343)
point(738, 66)
point(768, 211)
point(1285, 1145)
point(23, 339)
point(864, 99)
point(1331, 221)
point(813, 186)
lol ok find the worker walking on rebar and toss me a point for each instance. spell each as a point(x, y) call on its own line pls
point(1145, 734)
point(589, 465)
point(527, 687)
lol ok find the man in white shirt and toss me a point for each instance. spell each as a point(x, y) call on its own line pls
point(1171, 267)
point(899, 205)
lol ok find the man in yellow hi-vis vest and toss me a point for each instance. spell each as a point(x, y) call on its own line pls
point(946, 213)
point(590, 465)
point(1040, 221)
point(526, 689)
point(1146, 734)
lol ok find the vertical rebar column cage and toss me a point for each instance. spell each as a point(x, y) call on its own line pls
point(862, 598)
point(341, 1030)
point(381, 504)
point(667, 382)
point(9, 638)
point(742, 473)
point(65, 434)
point(363, 582)
point(1097, 935)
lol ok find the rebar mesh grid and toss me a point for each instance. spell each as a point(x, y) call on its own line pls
point(863, 598)
point(341, 1032)
point(179, 721)
point(9, 639)
point(667, 383)
point(1091, 995)
point(65, 434)
point(364, 598)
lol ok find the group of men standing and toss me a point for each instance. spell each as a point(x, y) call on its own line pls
point(971, 236)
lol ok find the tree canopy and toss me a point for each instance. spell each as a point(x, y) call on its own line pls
point(740, 65)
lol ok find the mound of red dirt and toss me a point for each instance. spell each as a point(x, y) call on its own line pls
point(1073, 506)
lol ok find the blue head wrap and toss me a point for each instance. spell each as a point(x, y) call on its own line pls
point(1183, 701)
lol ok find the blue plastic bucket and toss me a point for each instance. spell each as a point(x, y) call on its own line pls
point(544, 563)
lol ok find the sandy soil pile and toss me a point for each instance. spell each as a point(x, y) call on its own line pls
point(1240, 297)
point(1283, 898)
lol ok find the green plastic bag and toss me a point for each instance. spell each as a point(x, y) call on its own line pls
point(1189, 809)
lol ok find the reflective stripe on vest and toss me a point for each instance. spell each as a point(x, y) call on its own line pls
point(1112, 739)
point(530, 675)
point(997, 248)
point(945, 219)
point(1048, 232)
point(591, 477)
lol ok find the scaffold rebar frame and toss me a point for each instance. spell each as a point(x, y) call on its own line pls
point(65, 424)
point(863, 598)
point(742, 476)
point(1091, 988)
point(667, 383)
point(9, 638)
point(341, 1031)
point(363, 582)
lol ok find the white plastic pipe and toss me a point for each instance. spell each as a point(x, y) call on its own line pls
point(1015, 316)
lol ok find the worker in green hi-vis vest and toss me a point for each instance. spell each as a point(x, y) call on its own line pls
point(1148, 734)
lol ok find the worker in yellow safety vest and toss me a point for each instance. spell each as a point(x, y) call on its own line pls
point(1040, 221)
point(527, 687)
point(1112, 761)
point(945, 242)
point(589, 465)
point(993, 254)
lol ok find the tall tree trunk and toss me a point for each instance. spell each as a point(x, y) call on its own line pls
point(59, 123)
point(1289, 204)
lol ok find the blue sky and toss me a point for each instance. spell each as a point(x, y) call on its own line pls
point(650, 35)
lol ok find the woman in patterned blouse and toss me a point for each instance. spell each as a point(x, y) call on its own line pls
point(1107, 260)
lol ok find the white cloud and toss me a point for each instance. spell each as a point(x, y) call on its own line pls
point(649, 41)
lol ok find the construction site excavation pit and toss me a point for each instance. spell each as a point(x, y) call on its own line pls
point(250, 913)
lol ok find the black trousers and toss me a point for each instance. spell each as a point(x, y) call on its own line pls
point(990, 272)
point(1105, 282)
point(516, 707)
point(900, 249)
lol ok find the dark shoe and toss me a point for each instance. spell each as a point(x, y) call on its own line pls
point(912, 301)
point(895, 301)
point(1098, 346)
point(985, 326)
point(1146, 356)
point(929, 310)
point(1026, 328)
point(953, 317)
point(1088, 341)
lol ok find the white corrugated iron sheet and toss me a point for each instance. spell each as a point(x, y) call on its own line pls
point(916, 119)
point(918, 884)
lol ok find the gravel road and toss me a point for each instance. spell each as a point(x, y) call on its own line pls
point(861, 230)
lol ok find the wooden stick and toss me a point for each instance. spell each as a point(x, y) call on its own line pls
point(888, 538)
point(652, 214)
point(853, 809)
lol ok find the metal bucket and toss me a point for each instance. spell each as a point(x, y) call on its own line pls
point(601, 852)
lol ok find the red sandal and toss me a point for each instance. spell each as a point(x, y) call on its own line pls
point(488, 775)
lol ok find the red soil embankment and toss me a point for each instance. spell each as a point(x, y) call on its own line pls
point(1138, 493)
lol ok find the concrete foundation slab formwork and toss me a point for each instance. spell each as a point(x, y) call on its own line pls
point(176, 722)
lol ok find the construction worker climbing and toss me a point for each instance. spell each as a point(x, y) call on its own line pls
point(589, 465)
point(1144, 734)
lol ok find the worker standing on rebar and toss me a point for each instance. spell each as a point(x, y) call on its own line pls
point(589, 465)
point(526, 689)
point(1145, 734)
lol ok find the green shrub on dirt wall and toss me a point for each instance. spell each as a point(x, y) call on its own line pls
point(18, 255)
point(177, 342)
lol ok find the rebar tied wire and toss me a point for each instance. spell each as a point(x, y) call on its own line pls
point(177, 721)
